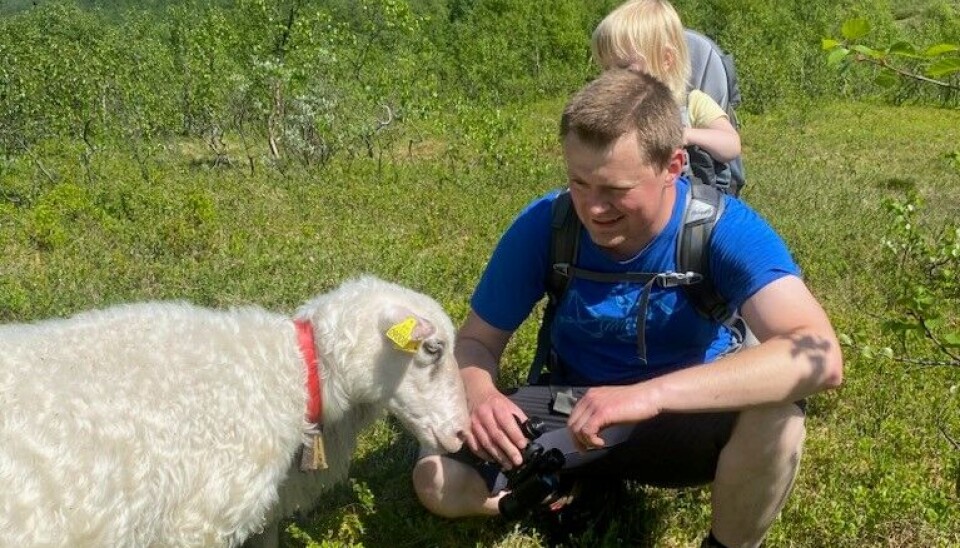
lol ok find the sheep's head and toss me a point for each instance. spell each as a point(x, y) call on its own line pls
point(429, 397)
point(392, 347)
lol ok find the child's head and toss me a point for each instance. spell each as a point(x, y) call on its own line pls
point(645, 35)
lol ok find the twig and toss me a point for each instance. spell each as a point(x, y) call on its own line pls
point(953, 442)
point(883, 63)
point(930, 335)
point(274, 119)
point(44, 170)
point(384, 123)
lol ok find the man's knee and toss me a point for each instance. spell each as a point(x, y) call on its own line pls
point(428, 483)
point(756, 472)
point(450, 488)
point(770, 433)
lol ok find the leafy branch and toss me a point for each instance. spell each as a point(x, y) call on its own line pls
point(937, 65)
point(926, 294)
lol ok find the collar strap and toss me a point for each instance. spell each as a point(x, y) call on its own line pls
point(314, 413)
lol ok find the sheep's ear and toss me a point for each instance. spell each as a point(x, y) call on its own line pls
point(407, 330)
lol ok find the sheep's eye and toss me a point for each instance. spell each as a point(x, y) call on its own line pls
point(433, 347)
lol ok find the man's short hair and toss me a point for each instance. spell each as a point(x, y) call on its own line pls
point(620, 102)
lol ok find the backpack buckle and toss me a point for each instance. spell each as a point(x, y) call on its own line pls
point(675, 279)
point(562, 269)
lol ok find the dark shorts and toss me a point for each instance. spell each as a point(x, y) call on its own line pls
point(669, 450)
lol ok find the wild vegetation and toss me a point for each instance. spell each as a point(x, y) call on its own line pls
point(259, 152)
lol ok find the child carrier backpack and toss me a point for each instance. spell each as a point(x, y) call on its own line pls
point(704, 206)
point(714, 73)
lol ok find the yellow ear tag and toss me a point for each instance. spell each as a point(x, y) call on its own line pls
point(402, 335)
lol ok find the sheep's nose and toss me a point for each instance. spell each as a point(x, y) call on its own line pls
point(452, 444)
point(459, 441)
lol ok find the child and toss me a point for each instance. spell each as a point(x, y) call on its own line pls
point(647, 35)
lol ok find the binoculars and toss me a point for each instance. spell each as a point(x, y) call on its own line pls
point(536, 478)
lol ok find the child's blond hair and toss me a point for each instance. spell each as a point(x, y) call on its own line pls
point(649, 31)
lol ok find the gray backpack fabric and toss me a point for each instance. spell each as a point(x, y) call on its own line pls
point(713, 72)
point(704, 206)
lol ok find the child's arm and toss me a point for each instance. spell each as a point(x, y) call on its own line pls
point(710, 128)
point(719, 139)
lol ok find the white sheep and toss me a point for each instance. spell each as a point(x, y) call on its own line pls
point(167, 424)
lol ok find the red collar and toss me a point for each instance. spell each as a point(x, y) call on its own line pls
point(314, 391)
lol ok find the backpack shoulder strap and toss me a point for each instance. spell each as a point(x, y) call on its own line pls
point(564, 245)
point(704, 206)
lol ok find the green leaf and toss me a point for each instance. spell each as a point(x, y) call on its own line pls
point(902, 48)
point(837, 56)
point(855, 28)
point(952, 340)
point(940, 49)
point(869, 52)
point(900, 326)
point(944, 67)
point(845, 339)
point(886, 80)
point(828, 44)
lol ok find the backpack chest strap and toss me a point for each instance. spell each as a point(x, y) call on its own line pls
point(648, 279)
point(663, 279)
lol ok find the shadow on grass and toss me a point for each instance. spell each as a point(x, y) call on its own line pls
point(897, 183)
point(378, 508)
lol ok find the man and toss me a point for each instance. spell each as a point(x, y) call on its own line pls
point(699, 408)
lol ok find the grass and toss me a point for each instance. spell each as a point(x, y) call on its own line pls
point(877, 471)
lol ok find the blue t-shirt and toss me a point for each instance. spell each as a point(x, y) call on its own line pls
point(594, 332)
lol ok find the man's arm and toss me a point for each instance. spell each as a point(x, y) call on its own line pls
point(494, 434)
point(798, 356)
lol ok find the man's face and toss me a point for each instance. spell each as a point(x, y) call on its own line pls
point(621, 201)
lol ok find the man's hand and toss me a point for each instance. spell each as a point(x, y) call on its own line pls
point(494, 433)
point(605, 406)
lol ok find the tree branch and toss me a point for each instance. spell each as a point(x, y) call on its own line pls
point(883, 63)
point(936, 340)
